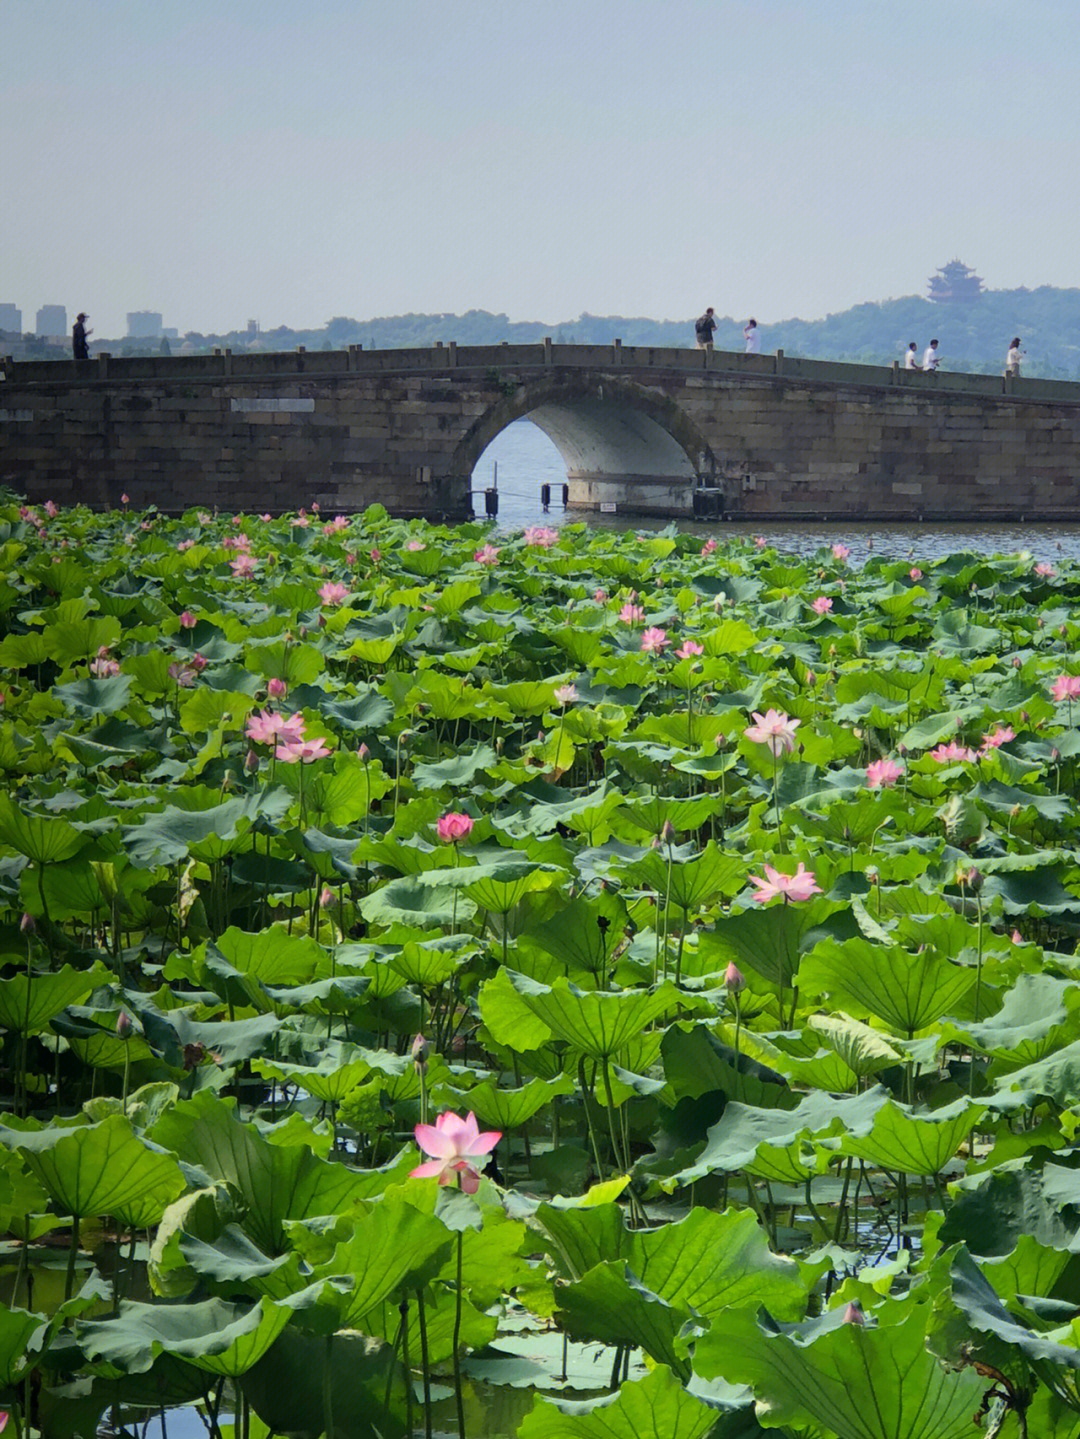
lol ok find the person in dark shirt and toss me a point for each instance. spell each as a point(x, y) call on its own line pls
point(703, 329)
point(79, 337)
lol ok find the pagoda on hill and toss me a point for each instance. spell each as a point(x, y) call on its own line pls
point(955, 284)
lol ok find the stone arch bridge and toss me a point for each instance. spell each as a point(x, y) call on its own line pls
point(647, 430)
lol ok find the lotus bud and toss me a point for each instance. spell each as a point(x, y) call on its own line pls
point(187, 620)
point(28, 924)
point(420, 1050)
point(363, 753)
point(901, 750)
point(734, 979)
point(276, 688)
point(1061, 630)
point(811, 678)
point(327, 897)
point(832, 651)
point(1055, 754)
point(847, 834)
point(1016, 937)
point(1016, 662)
point(124, 1025)
point(801, 750)
point(656, 843)
point(975, 880)
point(667, 831)
point(721, 740)
point(251, 761)
point(873, 875)
point(1025, 717)
point(853, 1314)
point(302, 631)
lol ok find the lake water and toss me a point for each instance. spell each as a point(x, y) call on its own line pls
point(527, 459)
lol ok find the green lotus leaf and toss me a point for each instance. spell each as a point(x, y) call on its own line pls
point(410, 901)
point(508, 1018)
point(366, 713)
point(905, 991)
point(45, 841)
point(986, 1315)
point(18, 1332)
point(585, 933)
point(682, 814)
point(610, 1304)
point(228, 1042)
point(993, 1210)
point(599, 1024)
point(27, 1004)
point(750, 1138)
point(339, 1069)
point(70, 641)
point(506, 1108)
point(392, 1247)
point(199, 1216)
point(1036, 1017)
point(458, 772)
point(767, 940)
point(232, 1263)
point(863, 1050)
point(656, 1407)
point(690, 884)
point(1057, 1077)
point(272, 956)
point(101, 1169)
point(170, 835)
point(914, 1142)
point(275, 1184)
point(296, 664)
point(21, 652)
point(853, 1381)
point(935, 728)
point(217, 1337)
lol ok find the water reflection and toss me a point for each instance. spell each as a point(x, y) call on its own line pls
point(526, 459)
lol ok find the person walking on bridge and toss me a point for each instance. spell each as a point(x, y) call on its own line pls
point(1012, 359)
point(752, 337)
point(79, 336)
point(911, 357)
point(930, 357)
point(703, 329)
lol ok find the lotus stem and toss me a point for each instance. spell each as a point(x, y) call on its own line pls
point(457, 1341)
point(403, 1309)
point(424, 1361)
point(328, 1387)
point(73, 1250)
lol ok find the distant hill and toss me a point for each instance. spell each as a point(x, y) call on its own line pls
point(973, 336)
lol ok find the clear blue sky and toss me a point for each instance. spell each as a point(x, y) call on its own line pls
point(220, 160)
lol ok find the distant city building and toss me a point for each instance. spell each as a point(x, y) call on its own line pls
point(253, 327)
point(144, 325)
point(11, 319)
point(52, 321)
point(955, 284)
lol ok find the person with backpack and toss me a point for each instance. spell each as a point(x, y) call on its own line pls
point(703, 329)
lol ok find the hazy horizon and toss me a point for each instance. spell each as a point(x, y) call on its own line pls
point(774, 157)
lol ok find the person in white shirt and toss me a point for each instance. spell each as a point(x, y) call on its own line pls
point(911, 361)
point(752, 338)
point(930, 357)
point(1012, 359)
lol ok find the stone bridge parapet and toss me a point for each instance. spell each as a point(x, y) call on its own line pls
point(763, 437)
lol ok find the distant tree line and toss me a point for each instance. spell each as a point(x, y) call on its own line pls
point(973, 336)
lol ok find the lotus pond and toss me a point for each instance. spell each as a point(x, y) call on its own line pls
point(567, 984)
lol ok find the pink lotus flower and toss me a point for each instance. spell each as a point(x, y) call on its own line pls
point(654, 640)
point(301, 522)
point(336, 525)
point(759, 541)
point(415, 545)
point(567, 694)
point(276, 688)
point(952, 753)
point(600, 596)
point(187, 620)
point(854, 1314)
point(52, 511)
point(998, 736)
point(798, 886)
point(202, 517)
point(198, 662)
point(243, 566)
point(1066, 687)
point(822, 605)
point(305, 750)
point(775, 729)
point(266, 518)
point(124, 500)
point(268, 727)
point(453, 826)
point(454, 1144)
point(333, 592)
point(882, 773)
point(914, 573)
point(631, 614)
point(182, 674)
point(376, 556)
point(1045, 570)
point(185, 545)
point(708, 547)
point(840, 552)
point(540, 536)
point(688, 649)
point(103, 668)
point(487, 555)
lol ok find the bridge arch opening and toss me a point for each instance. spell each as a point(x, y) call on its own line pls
point(611, 444)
